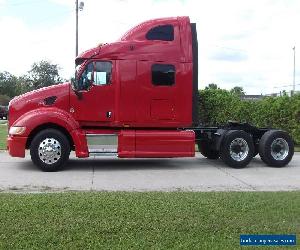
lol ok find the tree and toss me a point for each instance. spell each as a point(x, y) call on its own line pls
point(12, 86)
point(239, 91)
point(8, 84)
point(43, 74)
point(212, 86)
point(4, 100)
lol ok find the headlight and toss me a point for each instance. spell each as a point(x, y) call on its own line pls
point(17, 130)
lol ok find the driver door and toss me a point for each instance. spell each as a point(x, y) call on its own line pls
point(94, 105)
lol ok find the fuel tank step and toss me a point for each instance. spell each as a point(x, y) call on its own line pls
point(102, 144)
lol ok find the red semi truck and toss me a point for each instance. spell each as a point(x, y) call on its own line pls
point(135, 98)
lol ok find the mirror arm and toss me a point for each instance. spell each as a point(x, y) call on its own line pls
point(78, 94)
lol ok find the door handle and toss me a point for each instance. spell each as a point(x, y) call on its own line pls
point(108, 114)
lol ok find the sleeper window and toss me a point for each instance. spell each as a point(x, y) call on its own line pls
point(163, 74)
point(161, 32)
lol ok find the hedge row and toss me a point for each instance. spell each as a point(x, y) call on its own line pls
point(4, 100)
point(217, 106)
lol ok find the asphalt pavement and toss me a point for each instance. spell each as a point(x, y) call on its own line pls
point(113, 174)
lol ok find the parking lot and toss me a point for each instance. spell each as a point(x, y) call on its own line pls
point(112, 174)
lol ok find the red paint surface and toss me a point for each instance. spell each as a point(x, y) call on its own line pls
point(165, 143)
point(126, 144)
point(16, 146)
point(131, 94)
point(131, 97)
point(156, 143)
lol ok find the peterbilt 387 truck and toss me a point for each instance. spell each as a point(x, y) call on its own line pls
point(135, 98)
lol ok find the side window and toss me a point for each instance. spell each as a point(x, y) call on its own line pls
point(161, 32)
point(163, 74)
point(102, 73)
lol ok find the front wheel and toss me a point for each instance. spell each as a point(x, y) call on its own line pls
point(276, 148)
point(50, 150)
point(237, 149)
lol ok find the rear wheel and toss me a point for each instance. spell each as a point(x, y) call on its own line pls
point(276, 148)
point(237, 149)
point(50, 150)
point(206, 150)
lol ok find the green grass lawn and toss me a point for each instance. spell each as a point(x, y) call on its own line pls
point(3, 135)
point(155, 220)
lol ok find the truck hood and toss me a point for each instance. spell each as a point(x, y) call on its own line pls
point(56, 95)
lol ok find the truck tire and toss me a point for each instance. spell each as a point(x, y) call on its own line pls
point(276, 148)
point(206, 150)
point(237, 149)
point(50, 150)
point(256, 151)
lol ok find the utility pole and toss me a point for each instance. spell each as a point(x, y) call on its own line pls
point(294, 76)
point(76, 49)
point(78, 7)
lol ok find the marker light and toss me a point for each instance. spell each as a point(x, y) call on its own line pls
point(17, 130)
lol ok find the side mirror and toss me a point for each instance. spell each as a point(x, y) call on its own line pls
point(75, 88)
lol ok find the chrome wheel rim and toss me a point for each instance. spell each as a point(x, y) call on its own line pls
point(279, 149)
point(49, 151)
point(239, 149)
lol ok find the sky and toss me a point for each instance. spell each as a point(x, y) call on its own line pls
point(245, 43)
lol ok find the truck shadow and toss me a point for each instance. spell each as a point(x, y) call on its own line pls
point(151, 164)
point(116, 164)
point(127, 164)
